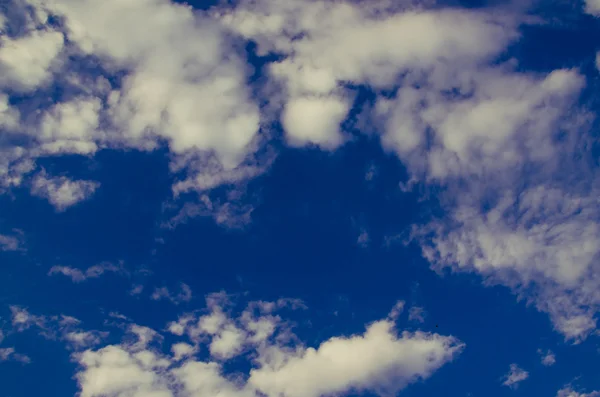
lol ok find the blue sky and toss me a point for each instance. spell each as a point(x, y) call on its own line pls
point(299, 199)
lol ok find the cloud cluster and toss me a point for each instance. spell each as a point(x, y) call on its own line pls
point(56, 327)
point(379, 360)
point(495, 142)
point(190, 94)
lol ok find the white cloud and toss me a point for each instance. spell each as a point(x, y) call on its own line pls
point(198, 102)
point(592, 7)
point(25, 62)
point(458, 122)
point(315, 120)
point(9, 354)
point(328, 44)
point(11, 242)
point(9, 115)
point(183, 350)
point(515, 376)
point(184, 295)
point(84, 339)
point(78, 276)
point(379, 360)
point(71, 127)
point(458, 119)
point(569, 392)
point(397, 310)
point(62, 192)
point(65, 328)
point(548, 358)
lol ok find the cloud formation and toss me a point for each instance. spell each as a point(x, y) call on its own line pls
point(495, 142)
point(379, 360)
point(387, 362)
point(62, 192)
point(569, 392)
point(515, 376)
point(78, 276)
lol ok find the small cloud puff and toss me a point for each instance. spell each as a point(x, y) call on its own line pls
point(60, 191)
point(548, 358)
point(184, 294)
point(515, 376)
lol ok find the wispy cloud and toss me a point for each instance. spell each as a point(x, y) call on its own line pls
point(184, 294)
point(78, 275)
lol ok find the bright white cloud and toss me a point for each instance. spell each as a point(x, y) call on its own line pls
point(377, 361)
point(315, 120)
point(197, 100)
point(188, 93)
point(183, 350)
point(515, 376)
point(25, 62)
point(386, 363)
point(62, 192)
point(498, 140)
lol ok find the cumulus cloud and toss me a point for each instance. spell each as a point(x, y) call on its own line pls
point(494, 141)
point(25, 62)
point(387, 362)
point(78, 275)
point(197, 103)
point(61, 191)
point(515, 376)
point(330, 44)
